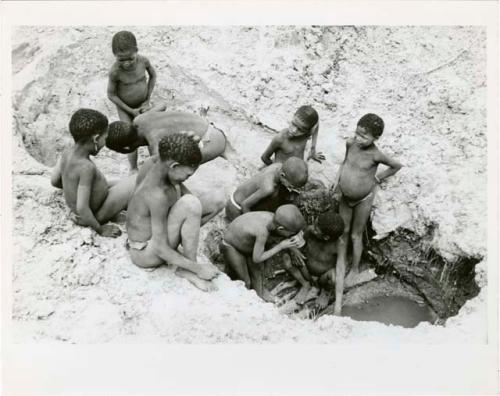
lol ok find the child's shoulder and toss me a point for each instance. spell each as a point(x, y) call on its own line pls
point(143, 59)
point(114, 70)
point(281, 136)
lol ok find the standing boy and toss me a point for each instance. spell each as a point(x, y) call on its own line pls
point(128, 88)
point(358, 181)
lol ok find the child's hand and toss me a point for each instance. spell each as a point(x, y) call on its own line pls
point(145, 107)
point(318, 157)
point(110, 231)
point(136, 112)
point(299, 262)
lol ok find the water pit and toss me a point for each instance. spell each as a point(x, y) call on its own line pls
point(413, 284)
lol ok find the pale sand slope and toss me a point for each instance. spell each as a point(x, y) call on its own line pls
point(70, 284)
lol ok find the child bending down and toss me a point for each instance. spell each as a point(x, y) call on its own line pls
point(358, 182)
point(128, 88)
point(243, 245)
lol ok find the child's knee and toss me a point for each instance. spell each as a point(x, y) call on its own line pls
point(356, 236)
point(191, 203)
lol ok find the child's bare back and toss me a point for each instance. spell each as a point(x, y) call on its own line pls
point(243, 231)
point(73, 169)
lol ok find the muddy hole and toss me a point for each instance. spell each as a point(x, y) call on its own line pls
point(411, 282)
point(391, 310)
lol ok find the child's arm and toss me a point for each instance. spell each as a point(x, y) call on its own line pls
point(113, 94)
point(83, 211)
point(271, 149)
point(393, 166)
point(259, 255)
point(56, 177)
point(348, 144)
point(151, 84)
point(318, 157)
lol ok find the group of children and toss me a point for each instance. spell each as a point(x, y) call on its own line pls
point(162, 214)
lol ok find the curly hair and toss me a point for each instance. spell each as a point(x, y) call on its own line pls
point(87, 122)
point(121, 134)
point(296, 172)
point(331, 224)
point(180, 147)
point(123, 41)
point(289, 216)
point(307, 115)
point(372, 123)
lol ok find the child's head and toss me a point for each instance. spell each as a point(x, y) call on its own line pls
point(288, 220)
point(303, 121)
point(182, 153)
point(329, 226)
point(369, 129)
point(294, 173)
point(122, 137)
point(87, 125)
point(124, 46)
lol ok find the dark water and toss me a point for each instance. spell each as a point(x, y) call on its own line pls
point(400, 311)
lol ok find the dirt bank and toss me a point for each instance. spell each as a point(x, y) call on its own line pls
point(428, 84)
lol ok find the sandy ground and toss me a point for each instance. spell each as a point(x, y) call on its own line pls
point(428, 84)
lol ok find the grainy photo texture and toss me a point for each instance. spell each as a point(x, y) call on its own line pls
point(256, 184)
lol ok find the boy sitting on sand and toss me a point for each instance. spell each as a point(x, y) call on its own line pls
point(358, 181)
point(320, 257)
point(243, 245)
point(128, 88)
point(86, 191)
point(291, 142)
point(160, 217)
point(270, 188)
point(149, 128)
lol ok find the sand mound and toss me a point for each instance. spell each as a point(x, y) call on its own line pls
point(428, 84)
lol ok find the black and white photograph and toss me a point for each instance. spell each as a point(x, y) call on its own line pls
point(253, 184)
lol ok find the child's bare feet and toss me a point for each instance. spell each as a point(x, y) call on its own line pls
point(323, 299)
point(300, 298)
point(201, 284)
point(207, 271)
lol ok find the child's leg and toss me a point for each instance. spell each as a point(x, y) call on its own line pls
point(212, 202)
point(183, 227)
point(132, 157)
point(294, 271)
point(346, 213)
point(117, 199)
point(237, 262)
point(256, 271)
point(361, 213)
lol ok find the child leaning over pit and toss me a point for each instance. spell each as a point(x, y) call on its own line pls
point(268, 189)
point(90, 197)
point(358, 182)
point(243, 245)
point(128, 88)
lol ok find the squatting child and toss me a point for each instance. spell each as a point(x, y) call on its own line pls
point(268, 189)
point(128, 87)
point(243, 245)
point(358, 181)
point(291, 141)
point(90, 197)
